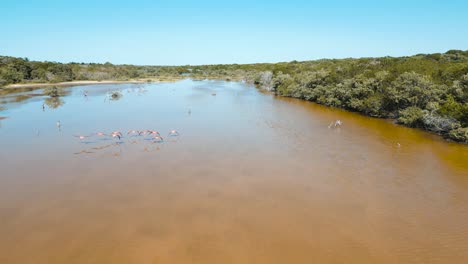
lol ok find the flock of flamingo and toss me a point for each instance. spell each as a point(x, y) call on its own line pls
point(151, 135)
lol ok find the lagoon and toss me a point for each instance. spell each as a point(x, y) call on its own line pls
point(251, 178)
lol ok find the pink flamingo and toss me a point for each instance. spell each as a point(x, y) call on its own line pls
point(158, 139)
point(153, 132)
point(134, 132)
point(81, 137)
point(101, 134)
point(173, 133)
point(117, 134)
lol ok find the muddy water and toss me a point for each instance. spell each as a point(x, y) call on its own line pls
point(250, 179)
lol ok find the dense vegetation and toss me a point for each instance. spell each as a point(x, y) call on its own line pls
point(428, 91)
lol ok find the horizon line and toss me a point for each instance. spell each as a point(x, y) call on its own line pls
point(215, 64)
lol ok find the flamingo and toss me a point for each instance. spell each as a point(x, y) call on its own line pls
point(117, 134)
point(133, 132)
point(102, 147)
point(81, 137)
point(158, 139)
point(101, 134)
point(153, 132)
point(173, 133)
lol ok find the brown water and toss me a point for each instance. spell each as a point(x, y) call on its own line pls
point(250, 179)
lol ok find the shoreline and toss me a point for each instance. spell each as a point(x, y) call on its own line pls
point(151, 80)
point(73, 83)
point(91, 82)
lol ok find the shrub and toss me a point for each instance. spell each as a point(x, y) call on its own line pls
point(410, 89)
point(455, 109)
point(10, 75)
point(264, 80)
point(115, 95)
point(52, 92)
point(459, 134)
point(439, 124)
point(373, 106)
point(411, 116)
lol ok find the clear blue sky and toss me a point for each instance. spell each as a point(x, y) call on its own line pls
point(175, 32)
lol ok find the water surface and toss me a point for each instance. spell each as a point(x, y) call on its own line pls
point(251, 178)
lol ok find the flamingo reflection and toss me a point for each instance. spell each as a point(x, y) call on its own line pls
point(135, 132)
point(81, 138)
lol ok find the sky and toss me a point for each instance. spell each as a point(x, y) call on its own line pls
point(182, 32)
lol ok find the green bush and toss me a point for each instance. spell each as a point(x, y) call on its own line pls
point(455, 109)
point(411, 116)
point(460, 134)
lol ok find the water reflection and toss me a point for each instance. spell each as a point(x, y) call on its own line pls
point(53, 102)
point(8, 91)
point(1, 109)
point(1, 118)
point(15, 97)
point(146, 141)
